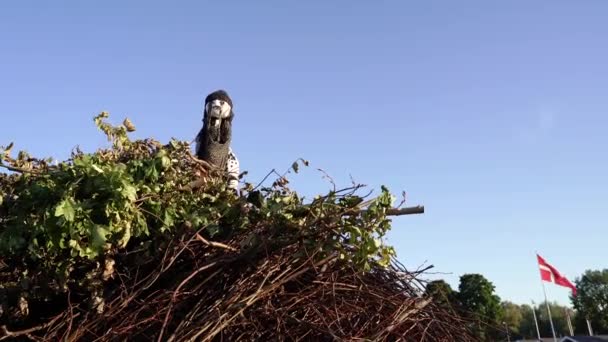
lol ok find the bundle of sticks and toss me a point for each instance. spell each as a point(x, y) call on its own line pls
point(256, 286)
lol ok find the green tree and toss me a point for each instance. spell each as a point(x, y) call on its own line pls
point(591, 301)
point(478, 301)
point(443, 293)
point(512, 316)
point(527, 327)
point(558, 313)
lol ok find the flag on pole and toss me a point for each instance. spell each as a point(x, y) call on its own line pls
point(549, 274)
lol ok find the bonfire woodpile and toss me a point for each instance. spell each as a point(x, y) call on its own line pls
point(127, 243)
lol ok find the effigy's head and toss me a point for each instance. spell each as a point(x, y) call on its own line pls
point(218, 116)
point(218, 104)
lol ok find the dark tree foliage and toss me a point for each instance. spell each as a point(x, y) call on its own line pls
point(591, 301)
point(479, 302)
point(558, 313)
point(527, 327)
point(443, 294)
point(512, 317)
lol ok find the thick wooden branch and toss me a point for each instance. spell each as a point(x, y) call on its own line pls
point(393, 211)
point(405, 211)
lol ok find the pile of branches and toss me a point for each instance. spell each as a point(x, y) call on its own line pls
point(142, 241)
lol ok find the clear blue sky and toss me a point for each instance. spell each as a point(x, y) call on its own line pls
point(491, 114)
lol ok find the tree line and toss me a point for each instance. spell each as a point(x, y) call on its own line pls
point(494, 318)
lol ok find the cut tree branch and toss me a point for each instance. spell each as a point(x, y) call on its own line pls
point(405, 211)
point(214, 244)
point(392, 211)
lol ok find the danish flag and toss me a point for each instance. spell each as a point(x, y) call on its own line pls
point(549, 274)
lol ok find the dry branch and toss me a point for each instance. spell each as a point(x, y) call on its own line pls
point(264, 293)
point(405, 211)
point(392, 212)
point(214, 244)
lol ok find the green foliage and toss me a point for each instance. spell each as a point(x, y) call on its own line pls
point(512, 316)
point(591, 301)
point(475, 298)
point(476, 295)
point(443, 294)
point(526, 328)
point(520, 320)
point(59, 224)
point(558, 314)
point(478, 301)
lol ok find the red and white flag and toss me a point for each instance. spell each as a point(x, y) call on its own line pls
point(550, 274)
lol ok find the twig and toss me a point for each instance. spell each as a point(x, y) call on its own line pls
point(274, 171)
point(265, 178)
point(11, 334)
point(331, 180)
point(19, 169)
point(214, 244)
point(176, 292)
point(403, 199)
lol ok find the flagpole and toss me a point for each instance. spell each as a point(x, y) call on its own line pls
point(549, 311)
point(569, 322)
point(547, 303)
point(589, 327)
point(535, 321)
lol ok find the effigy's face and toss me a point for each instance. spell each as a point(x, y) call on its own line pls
point(219, 109)
point(218, 119)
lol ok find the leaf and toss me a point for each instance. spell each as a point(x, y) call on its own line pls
point(82, 161)
point(351, 201)
point(98, 235)
point(295, 166)
point(97, 168)
point(151, 173)
point(66, 210)
point(142, 224)
point(129, 191)
point(126, 236)
point(165, 162)
point(6, 151)
point(129, 125)
point(212, 230)
point(168, 220)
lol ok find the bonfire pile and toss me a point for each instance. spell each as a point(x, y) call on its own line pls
point(128, 243)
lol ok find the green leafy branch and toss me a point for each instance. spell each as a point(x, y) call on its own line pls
point(60, 224)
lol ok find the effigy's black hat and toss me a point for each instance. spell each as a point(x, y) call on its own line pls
point(219, 95)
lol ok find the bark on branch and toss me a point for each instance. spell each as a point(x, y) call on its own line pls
point(392, 212)
point(405, 211)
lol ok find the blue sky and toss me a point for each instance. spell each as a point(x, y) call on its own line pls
point(491, 114)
